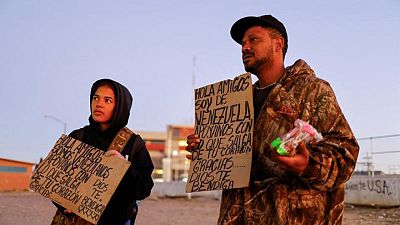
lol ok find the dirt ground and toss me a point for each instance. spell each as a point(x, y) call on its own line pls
point(31, 208)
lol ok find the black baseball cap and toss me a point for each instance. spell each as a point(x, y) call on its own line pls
point(240, 27)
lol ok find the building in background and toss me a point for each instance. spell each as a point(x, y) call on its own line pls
point(167, 151)
point(175, 164)
point(15, 175)
point(155, 144)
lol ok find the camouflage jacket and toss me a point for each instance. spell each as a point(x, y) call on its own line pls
point(277, 197)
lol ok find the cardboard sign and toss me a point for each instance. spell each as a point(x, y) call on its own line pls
point(224, 124)
point(78, 177)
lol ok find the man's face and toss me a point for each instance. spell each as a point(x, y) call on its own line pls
point(103, 104)
point(256, 49)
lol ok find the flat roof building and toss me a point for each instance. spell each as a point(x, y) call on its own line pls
point(15, 175)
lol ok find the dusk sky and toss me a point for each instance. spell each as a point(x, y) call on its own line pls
point(52, 51)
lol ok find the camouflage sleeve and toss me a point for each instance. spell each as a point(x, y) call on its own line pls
point(332, 161)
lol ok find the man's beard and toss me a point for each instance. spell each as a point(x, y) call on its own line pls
point(254, 67)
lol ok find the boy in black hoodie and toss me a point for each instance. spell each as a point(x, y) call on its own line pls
point(110, 109)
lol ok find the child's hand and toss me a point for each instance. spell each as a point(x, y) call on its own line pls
point(114, 152)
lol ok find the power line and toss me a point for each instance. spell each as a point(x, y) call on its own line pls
point(378, 137)
point(386, 152)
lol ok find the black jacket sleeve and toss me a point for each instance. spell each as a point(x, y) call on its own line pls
point(138, 177)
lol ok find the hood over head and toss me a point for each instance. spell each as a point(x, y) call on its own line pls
point(123, 103)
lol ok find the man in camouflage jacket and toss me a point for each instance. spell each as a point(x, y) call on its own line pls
point(307, 188)
point(316, 196)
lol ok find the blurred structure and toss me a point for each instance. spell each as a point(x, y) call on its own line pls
point(167, 150)
point(15, 175)
point(155, 143)
point(175, 165)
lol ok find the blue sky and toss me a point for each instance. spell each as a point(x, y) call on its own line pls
point(52, 51)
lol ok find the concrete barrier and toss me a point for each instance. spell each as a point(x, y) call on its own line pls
point(381, 190)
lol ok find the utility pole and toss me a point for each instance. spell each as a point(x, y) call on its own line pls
point(193, 85)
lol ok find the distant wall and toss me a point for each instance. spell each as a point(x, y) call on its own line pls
point(177, 189)
point(14, 175)
point(381, 190)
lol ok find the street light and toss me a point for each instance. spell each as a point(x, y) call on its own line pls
point(58, 120)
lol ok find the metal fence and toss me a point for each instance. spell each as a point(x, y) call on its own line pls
point(379, 153)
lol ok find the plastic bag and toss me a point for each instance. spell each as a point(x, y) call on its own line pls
point(286, 144)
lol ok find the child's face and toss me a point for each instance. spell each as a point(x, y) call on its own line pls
point(103, 104)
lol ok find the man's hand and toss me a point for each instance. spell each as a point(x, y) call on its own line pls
point(114, 152)
point(297, 163)
point(192, 143)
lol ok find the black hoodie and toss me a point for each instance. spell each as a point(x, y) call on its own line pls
point(137, 182)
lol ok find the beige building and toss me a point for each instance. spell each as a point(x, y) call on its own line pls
point(167, 151)
point(155, 143)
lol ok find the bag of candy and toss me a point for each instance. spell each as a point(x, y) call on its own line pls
point(286, 144)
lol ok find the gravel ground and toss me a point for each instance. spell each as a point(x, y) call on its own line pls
point(30, 208)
